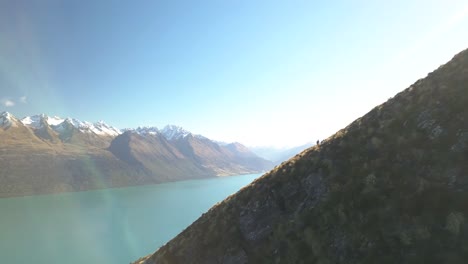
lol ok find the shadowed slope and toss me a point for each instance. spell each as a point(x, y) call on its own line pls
point(157, 156)
point(182, 158)
point(392, 187)
point(72, 135)
point(220, 160)
point(39, 158)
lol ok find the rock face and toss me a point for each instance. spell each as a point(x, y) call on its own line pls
point(40, 155)
point(392, 187)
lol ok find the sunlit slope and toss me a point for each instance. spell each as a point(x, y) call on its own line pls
point(38, 162)
point(154, 153)
point(392, 187)
point(175, 158)
point(39, 158)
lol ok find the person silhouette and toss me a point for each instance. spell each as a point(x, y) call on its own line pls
point(318, 142)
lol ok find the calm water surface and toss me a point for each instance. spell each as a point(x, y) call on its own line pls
point(105, 226)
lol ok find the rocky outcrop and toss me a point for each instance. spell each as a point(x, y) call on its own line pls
point(392, 187)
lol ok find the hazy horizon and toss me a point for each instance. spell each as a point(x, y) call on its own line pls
point(272, 146)
point(263, 73)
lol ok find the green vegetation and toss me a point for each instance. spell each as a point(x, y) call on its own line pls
point(392, 187)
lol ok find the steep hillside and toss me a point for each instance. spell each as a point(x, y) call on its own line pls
point(392, 187)
point(153, 153)
point(69, 133)
point(220, 160)
point(189, 156)
point(242, 155)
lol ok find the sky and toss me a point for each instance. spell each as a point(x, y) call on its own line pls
point(263, 72)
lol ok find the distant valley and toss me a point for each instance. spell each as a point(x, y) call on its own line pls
point(42, 154)
point(278, 155)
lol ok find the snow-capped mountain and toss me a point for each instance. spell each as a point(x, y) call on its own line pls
point(59, 125)
point(146, 130)
point(171, 132)
point(63, 127)
point(68, 154)
point(6, 119)
point(35, 121)
point(102, 128)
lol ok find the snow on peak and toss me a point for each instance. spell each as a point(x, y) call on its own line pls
point(174, 132)
point(102, 128)
point(6, 119)
point(98, 128)
point(36, 121)
point(66, 124)
point(147, 130)
point(33, 121)
point(170, 132)
point(76, 123)
point(54, 121)
point(6, 114)
point(59, 124)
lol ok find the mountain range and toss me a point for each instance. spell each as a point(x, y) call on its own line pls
point(391, 187)
point(278, 155)
point(41, 154)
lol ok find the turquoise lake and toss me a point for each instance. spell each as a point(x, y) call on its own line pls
point(105, 226)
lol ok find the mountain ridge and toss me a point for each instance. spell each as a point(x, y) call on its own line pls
point(278, 155)
point(391, 187)
point(41, 154)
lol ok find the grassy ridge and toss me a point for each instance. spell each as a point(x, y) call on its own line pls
point(392, 187)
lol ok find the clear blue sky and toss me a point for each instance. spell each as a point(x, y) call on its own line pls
point(259, 72)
